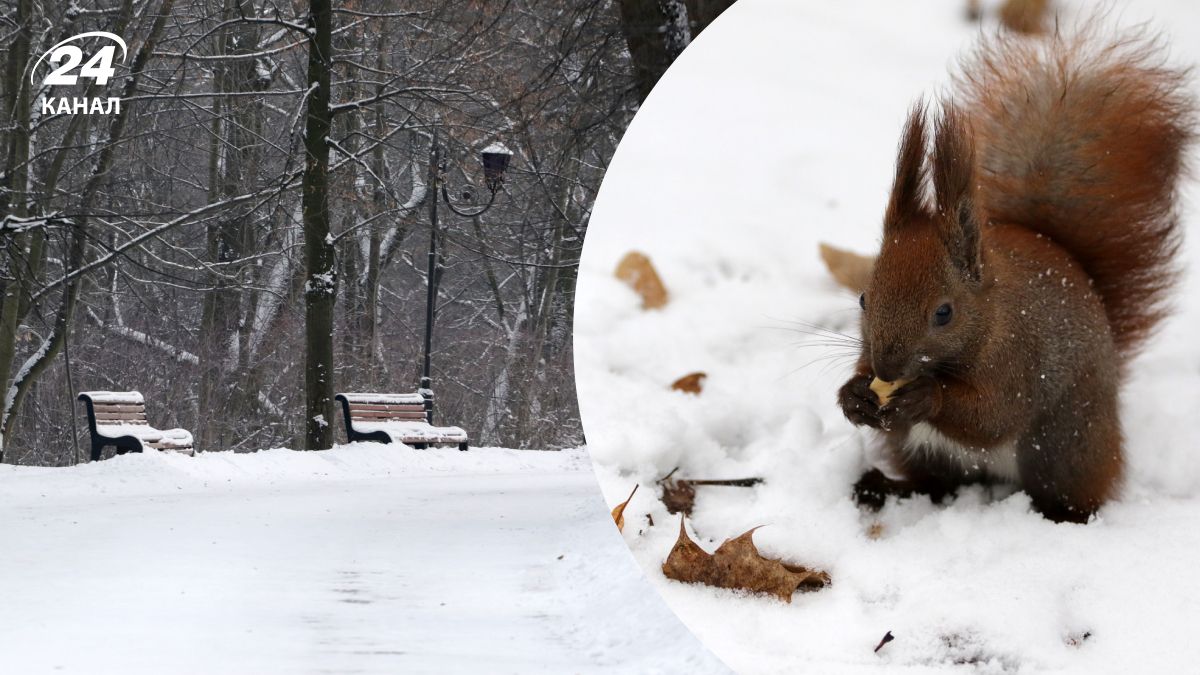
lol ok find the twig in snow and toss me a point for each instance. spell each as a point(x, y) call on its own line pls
point(679, 494)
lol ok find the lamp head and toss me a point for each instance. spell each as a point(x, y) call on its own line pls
point(495, 163)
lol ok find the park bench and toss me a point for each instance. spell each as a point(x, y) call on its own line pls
point(118, 418)
point(395, 418)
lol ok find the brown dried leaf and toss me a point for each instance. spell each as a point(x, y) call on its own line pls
point(618, 512)
point(692, 383)
point(688, 562)
point(678, 495)
point(974, 11)
point(1025, 16)
point(635, 269)
point(847, 268)
point(737, 564)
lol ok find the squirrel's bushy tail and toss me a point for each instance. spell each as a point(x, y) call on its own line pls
point(1082, 139)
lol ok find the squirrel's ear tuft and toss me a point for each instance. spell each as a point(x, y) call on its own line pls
point(907, 200)
point(953, 169)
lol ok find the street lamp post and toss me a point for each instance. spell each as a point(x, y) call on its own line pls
point(495, 159)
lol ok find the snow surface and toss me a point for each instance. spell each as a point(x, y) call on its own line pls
point(145, 433)
point(389, 399)
point(413, 430)
point(133, 397)
point(363, 559)
point(497, 148)
point(776, 130)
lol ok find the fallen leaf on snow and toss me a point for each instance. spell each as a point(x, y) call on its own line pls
point(847, 268)
point(737, 564)
point(692, 383)
point(974, 11)
point(677, 495)
point(635, 269)
point(618, 512)
point(887, 637)
point(1025, 16)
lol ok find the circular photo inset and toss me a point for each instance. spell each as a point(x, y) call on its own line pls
point(887, 313)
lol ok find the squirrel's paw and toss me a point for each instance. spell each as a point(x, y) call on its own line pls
point(859, 403)
point(915, 402)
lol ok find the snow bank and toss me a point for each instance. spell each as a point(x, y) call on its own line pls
point(154, 472)
point(776, 130)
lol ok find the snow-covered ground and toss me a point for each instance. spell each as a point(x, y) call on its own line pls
point(363, 559)
point(776, 130)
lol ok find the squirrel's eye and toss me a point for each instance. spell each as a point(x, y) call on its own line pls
point(862, 300)
point(941, 316)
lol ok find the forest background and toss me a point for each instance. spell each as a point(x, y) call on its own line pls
point(248, 234)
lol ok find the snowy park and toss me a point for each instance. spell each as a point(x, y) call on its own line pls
point(776, 131)
point(286, 377)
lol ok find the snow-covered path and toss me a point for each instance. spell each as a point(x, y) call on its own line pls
point(362, 559)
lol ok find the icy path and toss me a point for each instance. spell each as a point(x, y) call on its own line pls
point(362, 559)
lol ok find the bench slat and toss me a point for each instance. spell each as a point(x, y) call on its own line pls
point(185, 449)
point(120, 416)
point(120, 407)
point(425, 439)
point(397, 415)
point(387, 406)
point(395, 408)
point(413, 410)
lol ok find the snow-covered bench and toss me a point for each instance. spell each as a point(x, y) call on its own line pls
point(118, 418)
point(395, 418)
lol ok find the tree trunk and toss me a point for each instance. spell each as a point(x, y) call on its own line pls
point(656, 32)
point(320, 288)
point(369, 319)
point(13, 196)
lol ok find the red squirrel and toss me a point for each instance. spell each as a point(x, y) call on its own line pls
point(1012, 299)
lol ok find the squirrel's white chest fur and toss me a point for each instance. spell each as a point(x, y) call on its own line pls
point(1000, 461)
